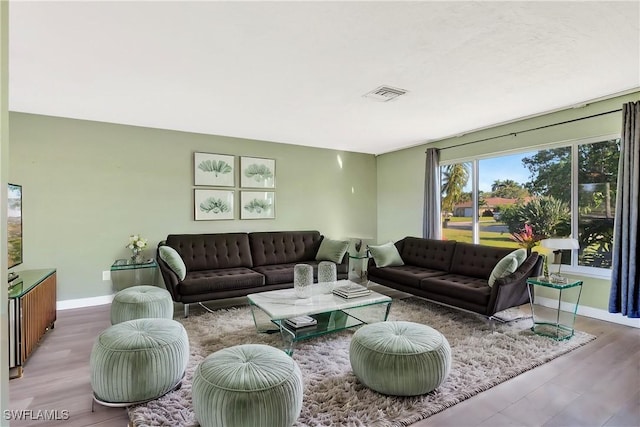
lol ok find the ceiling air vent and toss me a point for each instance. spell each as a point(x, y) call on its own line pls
point(385, 93)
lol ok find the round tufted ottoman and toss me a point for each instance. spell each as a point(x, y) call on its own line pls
point(138, 360)
point(248, 385)
point(138, 302)
point(400, 358)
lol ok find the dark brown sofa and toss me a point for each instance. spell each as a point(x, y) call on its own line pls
point(456, 274)
point(226, 265)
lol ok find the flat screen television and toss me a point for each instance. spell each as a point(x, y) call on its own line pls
point(14, 225)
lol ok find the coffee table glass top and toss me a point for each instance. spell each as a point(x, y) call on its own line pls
point(283, 304)
point(331, 313)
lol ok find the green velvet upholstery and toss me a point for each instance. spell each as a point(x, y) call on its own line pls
point(138, 360)
point(386, 255)
point(250, 385)
point(507, 265)
point(173, 260)
point(332, 250)
point(138, 302)
point(400, 358)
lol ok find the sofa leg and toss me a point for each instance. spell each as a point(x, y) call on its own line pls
point(186, 310)
point(205, 307)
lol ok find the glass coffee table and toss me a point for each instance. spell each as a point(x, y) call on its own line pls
point(331, 312)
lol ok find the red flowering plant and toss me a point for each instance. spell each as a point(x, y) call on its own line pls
point(526, 238)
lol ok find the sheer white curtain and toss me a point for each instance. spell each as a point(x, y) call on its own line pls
point(431, 224)
point(625, 280)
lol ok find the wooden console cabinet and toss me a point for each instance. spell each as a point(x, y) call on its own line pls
point(32, 312)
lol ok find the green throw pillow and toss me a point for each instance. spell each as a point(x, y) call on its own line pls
point(332, 250)
point(520, 255)
point(386, 255)
point(173, 260)
point(507, 265)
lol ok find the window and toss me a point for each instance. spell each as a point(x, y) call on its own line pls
point(489, 200)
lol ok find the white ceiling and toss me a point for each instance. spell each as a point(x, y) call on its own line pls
point(296, 72)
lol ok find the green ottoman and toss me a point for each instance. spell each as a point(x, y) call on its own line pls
point(138, 302)
point(249, 385)
point(138, 360)
point(400, 358)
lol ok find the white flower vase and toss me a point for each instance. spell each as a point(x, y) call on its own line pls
point(302, 280)
point(327, 272)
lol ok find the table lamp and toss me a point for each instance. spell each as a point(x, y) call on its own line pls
point(558, 245)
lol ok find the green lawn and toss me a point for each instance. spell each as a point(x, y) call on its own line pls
point(486, 237)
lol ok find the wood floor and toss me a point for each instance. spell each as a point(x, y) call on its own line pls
point(595, 385)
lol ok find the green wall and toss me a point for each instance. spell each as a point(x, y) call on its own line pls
point(88, 185)
point(400, 174)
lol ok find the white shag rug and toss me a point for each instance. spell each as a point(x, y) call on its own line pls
point(483, 354)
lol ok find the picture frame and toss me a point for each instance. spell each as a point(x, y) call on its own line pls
point(257, 205)
point(216, 170)
point(213, 204)
point(256, 172)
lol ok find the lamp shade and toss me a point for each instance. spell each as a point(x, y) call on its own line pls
point(560, 243)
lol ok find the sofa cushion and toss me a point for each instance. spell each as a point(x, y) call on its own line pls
point(408, 275)
point(284, 247)
point(476, 261)
point(428, 253)
point(332, 250)
point(212, 251)
point(223, 279)
point(386, 255)
point(173, 260)
point(459, 287)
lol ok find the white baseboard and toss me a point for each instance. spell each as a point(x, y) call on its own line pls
point(595, 313)
point(83, 302)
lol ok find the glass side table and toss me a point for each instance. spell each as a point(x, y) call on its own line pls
point(358, 268)
point(125, 274)
point(558, 325)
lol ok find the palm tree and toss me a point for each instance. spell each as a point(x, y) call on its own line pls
point(454, 178)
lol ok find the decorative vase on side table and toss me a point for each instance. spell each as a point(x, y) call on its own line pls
point(136, 244)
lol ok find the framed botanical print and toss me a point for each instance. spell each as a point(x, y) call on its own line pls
point(216, 170)
point(213, 204)
point(257, 205)
point(257, 173)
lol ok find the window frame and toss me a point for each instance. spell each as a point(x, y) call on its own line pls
point(596, 272)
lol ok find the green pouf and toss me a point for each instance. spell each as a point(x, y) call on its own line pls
point(138, 302)
point(138, 360)
point(400, 358)
point(249, 385)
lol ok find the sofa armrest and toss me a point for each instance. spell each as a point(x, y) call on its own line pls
point(511, 290)
point(170, 278)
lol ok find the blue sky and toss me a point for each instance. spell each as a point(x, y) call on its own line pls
point(502, 168)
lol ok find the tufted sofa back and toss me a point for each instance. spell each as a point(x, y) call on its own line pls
point(427, 253)
point(284, 247)
point(476, 260)
point(212, 251)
